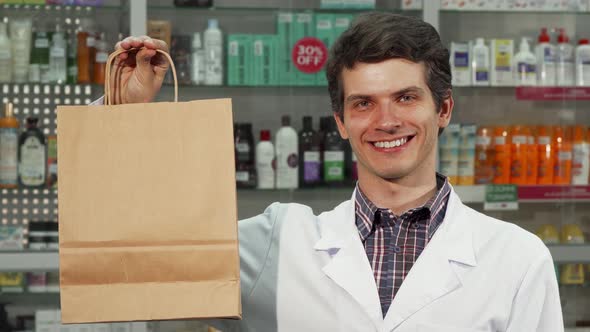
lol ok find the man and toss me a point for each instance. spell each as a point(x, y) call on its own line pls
point(403, 254)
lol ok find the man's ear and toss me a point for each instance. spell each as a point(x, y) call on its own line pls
point(445, 111)
point(339, 118)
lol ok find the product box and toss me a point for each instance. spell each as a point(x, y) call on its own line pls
point(303, 26)
point(411, 4)
point(460, 64)
point(286, 70)
point(12, 282)
point(52, 162)
point(47, 321)
point(239, 59)
point(502, 58)
point(449, 152)
point(12, 237)
point(265, 60)
point(466, 166)
point(37, 282)
point(160, 30)
point(324, 31)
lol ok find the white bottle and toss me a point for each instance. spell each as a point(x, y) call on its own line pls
point(565, 61)
point(213, 40)
point(583, 63)
point(581, 163)
point(545, 53)
point(480, 63)
point(5, 55)
point(287, 158)
point(265, 155)
point(57, 57)
point(525, 71)
point(197, 60)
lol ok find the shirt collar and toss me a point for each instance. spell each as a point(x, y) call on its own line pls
point(366, 211)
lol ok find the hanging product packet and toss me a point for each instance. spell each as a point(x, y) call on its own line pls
point(147, 210)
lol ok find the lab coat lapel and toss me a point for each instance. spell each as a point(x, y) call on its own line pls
point(433, 275)
point(349, 266)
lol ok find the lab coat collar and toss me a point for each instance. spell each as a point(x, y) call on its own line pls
point(432, 276)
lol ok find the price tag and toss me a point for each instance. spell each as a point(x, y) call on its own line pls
point(309, 55)
point(501, 198)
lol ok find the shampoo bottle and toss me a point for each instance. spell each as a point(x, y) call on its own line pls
point(583, 63)
point(32, 156)
point(5, 55)
point(8, 149)
point(525, 70)
point(287, 159)
point(265, 156)
point(545, 54)
point(480, 63)
point(565, 60)
point(213, 39)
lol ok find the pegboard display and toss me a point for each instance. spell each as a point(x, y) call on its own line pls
point(24, 205)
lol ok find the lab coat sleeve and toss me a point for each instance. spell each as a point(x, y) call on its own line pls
point(537, 306)
point(255, 236)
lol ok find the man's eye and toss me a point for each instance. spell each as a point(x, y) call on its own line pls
point(407, 98)
point(362, 104)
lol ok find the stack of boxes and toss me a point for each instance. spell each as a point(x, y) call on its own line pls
point(266, 60)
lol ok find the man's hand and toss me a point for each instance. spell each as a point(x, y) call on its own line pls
point(137, 75)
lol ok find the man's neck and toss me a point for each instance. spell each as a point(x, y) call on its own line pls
point(399, 195)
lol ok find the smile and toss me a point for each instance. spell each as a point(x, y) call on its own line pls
point(393, 143)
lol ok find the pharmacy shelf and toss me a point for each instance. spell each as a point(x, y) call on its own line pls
point(513, 11)
point(30, 261)
point(271, 9)
point(552, 93)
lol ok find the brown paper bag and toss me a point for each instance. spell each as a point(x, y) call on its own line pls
point(147, 211)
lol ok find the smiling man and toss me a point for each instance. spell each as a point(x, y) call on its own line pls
point(403, 254)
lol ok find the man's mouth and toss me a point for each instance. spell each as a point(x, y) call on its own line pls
point(393, 143)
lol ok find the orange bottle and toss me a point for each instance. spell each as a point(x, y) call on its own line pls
point(484, 156)
point(581, 156)
point(83, 58)
point(502, 160)
point(518, 154)
point(8, 148)
point(546, 155)
point(562, 141)
point(532, 157)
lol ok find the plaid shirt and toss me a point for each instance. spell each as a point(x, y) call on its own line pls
point(394, 243)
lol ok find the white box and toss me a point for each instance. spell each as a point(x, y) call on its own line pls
point(460, 64)
point(46, 321)
point(101, 327)
point(121, 327)
point(502, 62)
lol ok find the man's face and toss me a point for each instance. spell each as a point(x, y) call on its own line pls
point(390, 118)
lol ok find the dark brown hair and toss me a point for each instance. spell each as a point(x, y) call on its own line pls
point(376, 37)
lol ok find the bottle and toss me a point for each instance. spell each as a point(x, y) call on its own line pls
point(545, 54)
point(583, 63)
point(57, 57)
point(532, 164)
point(32, 156)
point(565, 60)
point(333, 155)
point(484, 156)
point(5, 55)
point(324, 121)
point(72, 59)
point(480, 64)
point(502, 158)
point(39, 68)
point(197, 60)
point(562, 173)
point(525, 69)
point(83, 54)
point(8, 149)
point(572, 274)
point(100, 62)
point(286, 151)
point(244, 145)
point(309, 152)
point(546, 155)
point(518, 154)
point(581, 163)
point(265, 156)
point(20, 37)
point(213, 39)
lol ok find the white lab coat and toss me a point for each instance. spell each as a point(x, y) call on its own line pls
point(302, 272)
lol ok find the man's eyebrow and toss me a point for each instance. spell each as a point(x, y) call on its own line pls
point(410, 89)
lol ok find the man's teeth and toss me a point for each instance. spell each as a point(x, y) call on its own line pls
point(391, 144)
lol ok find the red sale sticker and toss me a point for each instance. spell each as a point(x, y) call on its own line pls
point(309, 55)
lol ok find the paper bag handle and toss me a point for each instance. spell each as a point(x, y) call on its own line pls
point(107, 86)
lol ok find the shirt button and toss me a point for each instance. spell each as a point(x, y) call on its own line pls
point(397, 249)
point(415, 225)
